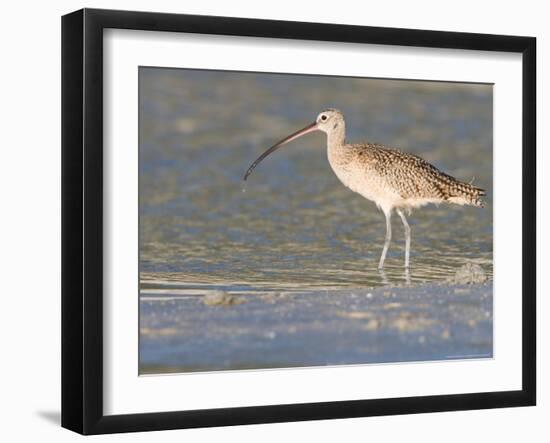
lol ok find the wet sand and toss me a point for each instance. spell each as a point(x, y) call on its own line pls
point(232, 331)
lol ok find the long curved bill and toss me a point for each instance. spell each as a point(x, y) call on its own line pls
point(309, 128)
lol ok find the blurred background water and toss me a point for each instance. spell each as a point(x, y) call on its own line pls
point(296, 226)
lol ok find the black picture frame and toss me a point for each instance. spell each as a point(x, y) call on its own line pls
point(82, 220)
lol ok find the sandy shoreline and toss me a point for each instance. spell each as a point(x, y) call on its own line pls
point(316, 328)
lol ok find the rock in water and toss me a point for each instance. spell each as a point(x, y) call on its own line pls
point(469, 274)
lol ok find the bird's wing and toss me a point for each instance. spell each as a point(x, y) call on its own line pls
point(413, 177)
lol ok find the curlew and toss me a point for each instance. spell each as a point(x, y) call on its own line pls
point(392, 179)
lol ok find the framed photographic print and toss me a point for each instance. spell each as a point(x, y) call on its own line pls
point(270, 221)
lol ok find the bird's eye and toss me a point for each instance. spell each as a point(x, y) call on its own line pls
point(323, 117)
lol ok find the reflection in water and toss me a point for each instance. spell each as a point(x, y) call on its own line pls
point(383, 277)
point(294, 226)
point(407, 276)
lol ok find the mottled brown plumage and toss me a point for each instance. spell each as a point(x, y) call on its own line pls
point(393, 179)
point(413, 177)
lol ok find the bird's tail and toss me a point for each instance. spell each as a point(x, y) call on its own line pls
point(466, 194)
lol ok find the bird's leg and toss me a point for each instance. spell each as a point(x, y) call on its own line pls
point(388, 239)
point(407, 236)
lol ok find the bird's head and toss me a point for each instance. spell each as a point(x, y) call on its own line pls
point(330, 120)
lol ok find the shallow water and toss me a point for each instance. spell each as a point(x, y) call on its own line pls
point(296, 227)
